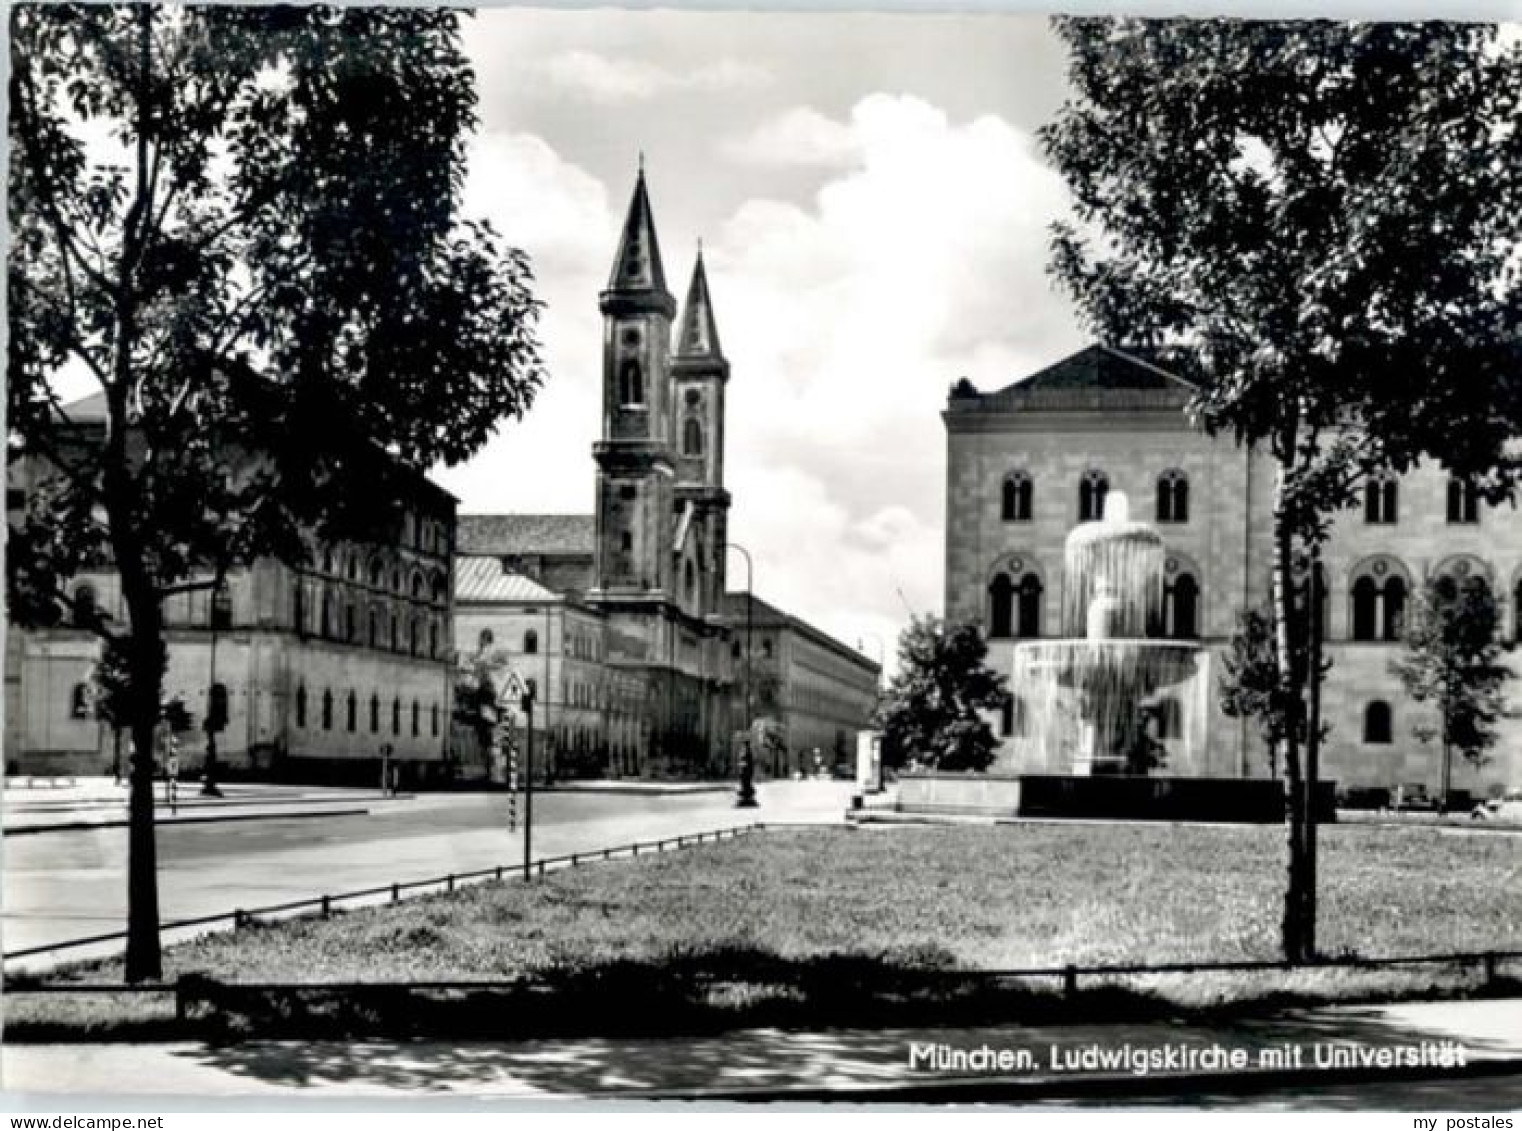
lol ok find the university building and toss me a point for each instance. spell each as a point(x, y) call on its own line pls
point(621, 617)
point(1028, 462)
point(317, 667)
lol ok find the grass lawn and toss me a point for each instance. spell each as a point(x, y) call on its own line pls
point(898, 898)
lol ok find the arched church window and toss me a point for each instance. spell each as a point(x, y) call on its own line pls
point(1381, 500)
point(631, 383)
point(1092, 489)
point(1376, 723)
point(1365, 608)
point(1172, 497)
point(1394, 619)
point(1016, 497)
point(692, 437)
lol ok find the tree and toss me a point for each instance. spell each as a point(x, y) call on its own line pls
point(1452, 660)
point(110, 697)
point(1316, 222)
point(242, 222)
point(930, 712)
point(479, 680)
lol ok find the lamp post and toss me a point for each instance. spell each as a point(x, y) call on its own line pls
point(747, 767)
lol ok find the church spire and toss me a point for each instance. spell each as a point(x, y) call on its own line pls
point(637, 267)
point(698, 337)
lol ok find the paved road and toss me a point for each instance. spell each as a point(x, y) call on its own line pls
point(65, 885)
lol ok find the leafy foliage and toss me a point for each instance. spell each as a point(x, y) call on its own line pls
point(930, 712)
point(243, 222)
point(1317, 223)
point(1452, 659)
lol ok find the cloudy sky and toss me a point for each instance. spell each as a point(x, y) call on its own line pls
point(873, 208)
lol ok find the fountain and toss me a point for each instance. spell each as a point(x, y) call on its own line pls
point(1113, 718)
point(1109, 697)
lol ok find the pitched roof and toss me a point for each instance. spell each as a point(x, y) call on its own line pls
point(483, 579)
point(699, 333)
point(1101, 367)
point(503, 534)
point(637, 267)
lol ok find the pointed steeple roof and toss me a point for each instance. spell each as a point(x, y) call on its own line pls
point(637, 267)
point(698, 337)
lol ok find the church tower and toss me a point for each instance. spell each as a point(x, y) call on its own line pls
point(699, 373)
point(635, 471)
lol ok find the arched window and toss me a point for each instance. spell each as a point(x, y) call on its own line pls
point(326, 624)
point(1394, 620)
point(1379, 595)
point(82, 609)
point(485, 640)
point(327, 710)
point(414, 718)
point(79, 701)
point(1381, 499)
point(1092, 489)
point(1463, 500)
point(1172, 497)
point(692, 437)
point(1001, 607)
point(351, 714)
point(1028, 607)
point(433, 640)
point(1016, 497)
point(377, 573)
point(417, 585)
point(375, 629)
point(1376, 723)
point(530, 642)
point(301, 705)
point(1365, 608)
point(374, 713)
point(433, 720)
point(690, 579)
point(1181, 607)
point(351, 622)
point(413, 636)
point(396, 716)
point(631, 383)
point(299, 606)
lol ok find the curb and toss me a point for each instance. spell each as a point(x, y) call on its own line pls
point(1017, 1089)
point(78, 826)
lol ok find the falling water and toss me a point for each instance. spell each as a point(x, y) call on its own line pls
point(1108, 699)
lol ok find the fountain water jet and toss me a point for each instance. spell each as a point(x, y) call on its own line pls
point(1109, 697)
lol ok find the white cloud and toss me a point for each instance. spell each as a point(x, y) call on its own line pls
point(846, 321)
point(602, 79)
point(801, 136)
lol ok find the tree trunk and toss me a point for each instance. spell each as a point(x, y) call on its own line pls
point(1293, 926)
point(1312, 754)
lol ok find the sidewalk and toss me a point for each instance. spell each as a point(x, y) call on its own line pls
point(856, 1064)
point(100, 802)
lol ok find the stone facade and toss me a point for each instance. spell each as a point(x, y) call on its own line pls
point(320, 665)
point(1103, 412)
point(819, 691)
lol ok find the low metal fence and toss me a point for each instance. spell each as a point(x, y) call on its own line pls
point(325, 904)
point(192, 989)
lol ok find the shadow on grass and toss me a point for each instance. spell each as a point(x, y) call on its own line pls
point(686, 993)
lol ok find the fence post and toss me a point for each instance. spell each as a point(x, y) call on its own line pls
point(1070, 981)
point(180, 1005)
point(499, 872)
point(541, 869)
point(327, 906)
point(240, 918)
point(396, 892)
point(449, 883)
point(1490, 967)
point(607, 854)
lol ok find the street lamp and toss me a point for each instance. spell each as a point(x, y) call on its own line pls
point(747, 755)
